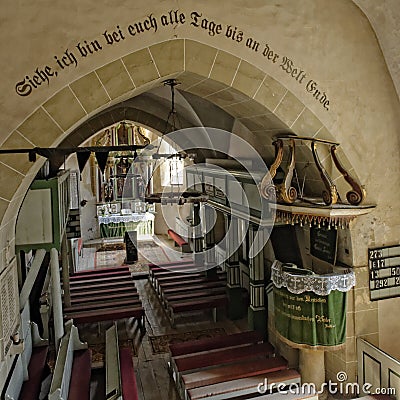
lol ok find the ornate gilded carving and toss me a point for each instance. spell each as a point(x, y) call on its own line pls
point(267, 187)
point(285, 191)
point(355, 196)
point(310, 219)
point(330, 195)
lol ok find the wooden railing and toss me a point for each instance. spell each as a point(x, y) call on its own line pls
point(378, 372)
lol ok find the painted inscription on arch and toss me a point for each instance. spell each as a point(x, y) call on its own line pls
point(84, 49)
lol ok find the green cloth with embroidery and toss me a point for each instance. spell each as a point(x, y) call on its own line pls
point(308, 318)
point(117, 229)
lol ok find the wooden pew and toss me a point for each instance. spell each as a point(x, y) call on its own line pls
point(109, 314)
point(120, 295)
point(194, 293)
point(185, 279)
point(216, 342)
point(99, 274)
point(101, 293)
point(168, 264)
point(231, 372)
point(244, 386)
point(179, 241)
point(162, 272)
point(120, 374)
point(189, 288)
point(28, 372)
point(99, 306)
point(195, 304)
point(102, 285)
point(89, 272)
point(199, 361)
point(71, 378)
point(172, 267)
point(31, 388)
point(191, 362)
point(100, 280)
point(188, 285)
point(198, 349)
point(178, 280)
point(171, 276)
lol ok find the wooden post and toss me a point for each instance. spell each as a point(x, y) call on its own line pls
point(56, 297)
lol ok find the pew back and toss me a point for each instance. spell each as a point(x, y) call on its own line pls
point(113, 372)
point(30, 339)
point(69, 343)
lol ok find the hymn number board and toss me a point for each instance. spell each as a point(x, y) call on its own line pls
point(384, 272)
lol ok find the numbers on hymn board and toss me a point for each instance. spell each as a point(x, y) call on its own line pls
point(395, 271)
point(375, 264)
point(381, 283)
point(374, 254)
point(384, 272)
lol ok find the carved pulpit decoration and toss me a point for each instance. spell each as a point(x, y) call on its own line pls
point(285, 193)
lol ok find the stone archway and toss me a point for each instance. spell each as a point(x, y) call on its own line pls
point(260, 102)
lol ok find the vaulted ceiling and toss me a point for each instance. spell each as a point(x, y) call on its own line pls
point(384, 17)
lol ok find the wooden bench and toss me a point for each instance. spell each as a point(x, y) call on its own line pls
point(168, 264)
point(231, 372)
point(88, 272)
point(159, 272)
point(116, 295)
point(187, 282)
point(244, 386)
point(120, 374)
point(179, 241)
point(97, 286)
point(109, 314)
point(206, 303)
point(31, 388)
point(102, 291)
point(192, 362)
point(29, 368)
point(176, 280)
point(214, 343)
point(100, 279)
point(209, 347)
point(190, 274)
point(189, 288)
point(194, 293)
point(72, 372)
point(99, 306)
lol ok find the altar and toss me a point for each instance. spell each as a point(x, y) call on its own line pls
point(116, 225)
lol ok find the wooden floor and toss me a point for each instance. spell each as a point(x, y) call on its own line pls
point(154, 382)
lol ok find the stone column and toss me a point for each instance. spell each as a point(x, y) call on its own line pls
point(236, 307)
point(257, 314)
point(312, 367)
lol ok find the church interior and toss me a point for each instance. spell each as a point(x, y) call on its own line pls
point(199, 202)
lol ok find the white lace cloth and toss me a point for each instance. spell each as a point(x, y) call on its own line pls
point(136, 217)
point(319, 284)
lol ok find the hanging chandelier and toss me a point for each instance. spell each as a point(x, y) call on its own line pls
point(173, 124)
